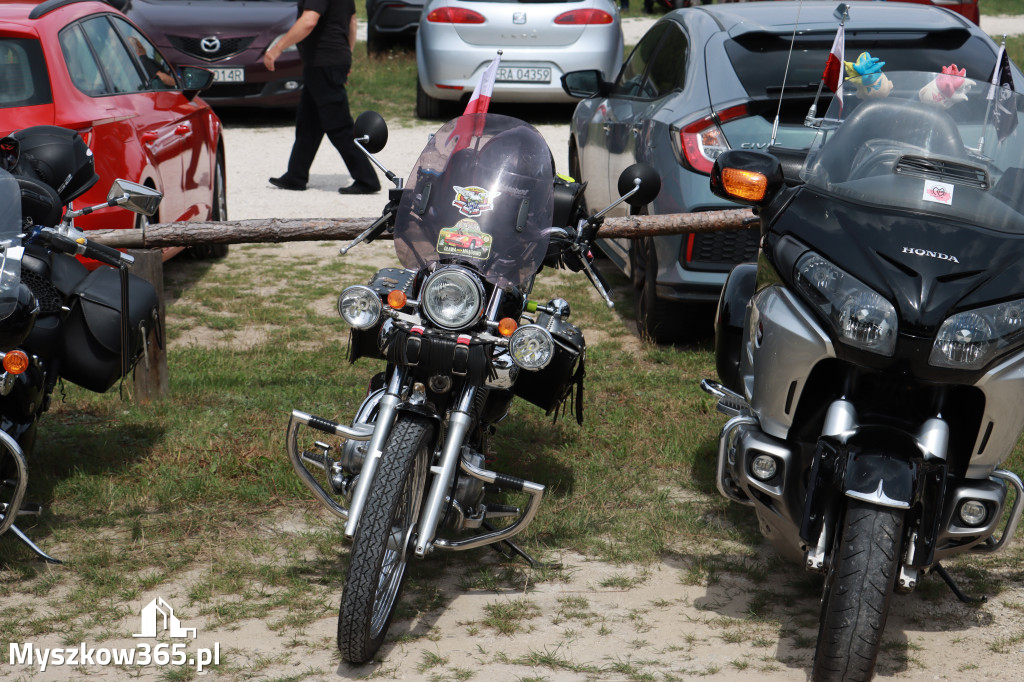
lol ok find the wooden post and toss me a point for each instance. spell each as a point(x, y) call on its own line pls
point(151, 379)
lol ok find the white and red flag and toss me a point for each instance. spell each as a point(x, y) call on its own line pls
point(833, 75)
point(481, 98)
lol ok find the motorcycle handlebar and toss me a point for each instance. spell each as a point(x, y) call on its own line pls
point(84, 247)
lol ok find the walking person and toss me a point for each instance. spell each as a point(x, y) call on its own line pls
point(325, 34)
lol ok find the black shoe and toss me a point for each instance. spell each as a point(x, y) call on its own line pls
point(359, 188)
point(284, 182)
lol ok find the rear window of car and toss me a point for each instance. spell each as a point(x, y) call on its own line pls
point(759, 59)
point(23, 78)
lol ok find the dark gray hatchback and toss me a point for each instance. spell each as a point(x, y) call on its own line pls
point(228, 37)
point(706, 79)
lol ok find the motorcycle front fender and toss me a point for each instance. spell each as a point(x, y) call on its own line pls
point(881, 479)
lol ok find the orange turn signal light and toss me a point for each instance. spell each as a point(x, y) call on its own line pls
point(506, 326)
point(15, 362)
point(396, 299)
point(743, 184)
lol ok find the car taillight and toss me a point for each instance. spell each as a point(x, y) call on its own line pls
point(455, 15)
point(702, 141)
point(584, 16)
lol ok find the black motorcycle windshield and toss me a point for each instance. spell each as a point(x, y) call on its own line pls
point(942, 144)
point(10, 243)
point(481, 195)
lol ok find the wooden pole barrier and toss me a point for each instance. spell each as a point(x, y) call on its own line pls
point(275, 230)
point(151, 379)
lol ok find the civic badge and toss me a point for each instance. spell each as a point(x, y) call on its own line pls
point(519, 18)
point(210, 44)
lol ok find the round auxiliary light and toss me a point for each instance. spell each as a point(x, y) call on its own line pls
point(452, 298)
point(764, 467)
point(506, 326)
point(15, 362)
point(360, 306)
point(973, 513)
point(531, 347)
point(397, 299)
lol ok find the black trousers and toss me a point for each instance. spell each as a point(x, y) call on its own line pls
point(323, 110)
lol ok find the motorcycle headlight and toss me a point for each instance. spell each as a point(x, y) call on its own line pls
point(531, 347)
point(861, 317)
point(452, 298)
point(969, 340)
point(360, 306)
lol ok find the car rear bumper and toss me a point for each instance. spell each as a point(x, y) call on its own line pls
point(395, 17)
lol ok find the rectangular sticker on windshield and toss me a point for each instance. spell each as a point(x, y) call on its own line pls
point(465, 239)
point(939, 192)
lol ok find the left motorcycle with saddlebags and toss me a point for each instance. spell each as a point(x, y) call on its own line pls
point(58, 320)
point(481, 214)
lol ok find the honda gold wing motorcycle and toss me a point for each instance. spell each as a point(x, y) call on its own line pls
point(873, 358)
point(58, 320)
point(481, 213)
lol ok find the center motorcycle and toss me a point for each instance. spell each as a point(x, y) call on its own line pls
point(481, 214)
point(873, 359)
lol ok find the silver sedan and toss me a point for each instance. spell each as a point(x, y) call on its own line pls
point(540, 41)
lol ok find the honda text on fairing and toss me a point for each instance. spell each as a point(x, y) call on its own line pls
point(58, 320)
point(460, 338)
point(873, 358)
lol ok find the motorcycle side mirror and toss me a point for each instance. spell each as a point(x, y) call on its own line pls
point(371, 130)
point(644, 177)
point(746, 177)
point(134, 197)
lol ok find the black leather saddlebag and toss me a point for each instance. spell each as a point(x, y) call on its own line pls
point(91, 355)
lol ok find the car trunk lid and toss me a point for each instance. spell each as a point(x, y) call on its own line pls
point(521, 24)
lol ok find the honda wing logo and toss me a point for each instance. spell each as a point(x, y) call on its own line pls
point(158, 615)
point(210, 44)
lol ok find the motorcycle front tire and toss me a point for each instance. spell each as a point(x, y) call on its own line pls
point(858, 588)
point(382, 543)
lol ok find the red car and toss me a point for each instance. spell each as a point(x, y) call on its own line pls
point(84, 66)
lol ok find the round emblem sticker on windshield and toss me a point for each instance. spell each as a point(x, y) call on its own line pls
point(472, 201)
point(465, 240)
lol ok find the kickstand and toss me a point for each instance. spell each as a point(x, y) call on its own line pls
point(507, 549)
point(956, 589)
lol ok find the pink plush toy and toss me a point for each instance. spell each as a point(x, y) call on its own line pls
point(948, 88)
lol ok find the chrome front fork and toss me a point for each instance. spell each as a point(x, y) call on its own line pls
point(459, 423)
point(387, 411)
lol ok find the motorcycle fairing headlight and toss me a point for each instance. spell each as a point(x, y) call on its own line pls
point(970, 339)
point(452, 298)
point(860, 316)
point(360, 306)
point(531, 347)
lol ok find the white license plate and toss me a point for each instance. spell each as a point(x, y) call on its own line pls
point(523, 74)
point(228, 75)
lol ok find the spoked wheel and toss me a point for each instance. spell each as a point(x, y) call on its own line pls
point(380, 551)
point(858, 588)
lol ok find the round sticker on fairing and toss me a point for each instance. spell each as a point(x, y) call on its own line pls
point(472, 201)
point(465, 239)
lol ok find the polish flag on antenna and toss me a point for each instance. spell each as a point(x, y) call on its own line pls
point(833, 75)
point(481, 98)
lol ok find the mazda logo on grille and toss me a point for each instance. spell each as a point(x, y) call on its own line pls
point(211, 44)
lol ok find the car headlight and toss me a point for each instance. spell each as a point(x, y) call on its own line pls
point(861, 317)
point(531, 347)
point(970, 339)
point(276, 40)
point(452, 298)
point(360, 306)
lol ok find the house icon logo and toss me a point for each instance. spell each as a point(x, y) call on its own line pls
point(159, 615)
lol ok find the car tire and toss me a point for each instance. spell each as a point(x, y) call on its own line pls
point(376, 42)
point(427, 106)
point(218, 212)
point(657, 320)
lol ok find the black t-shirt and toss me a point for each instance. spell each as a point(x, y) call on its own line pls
point(327, 45)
